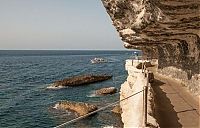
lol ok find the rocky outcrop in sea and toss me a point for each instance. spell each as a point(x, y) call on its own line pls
point(117, 109)
point(79, 80)
point(105, 91)
point(79, 107)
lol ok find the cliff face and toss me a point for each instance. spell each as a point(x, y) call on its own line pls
point(168, 30)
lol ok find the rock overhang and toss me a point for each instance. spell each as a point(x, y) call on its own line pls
point(165, 29)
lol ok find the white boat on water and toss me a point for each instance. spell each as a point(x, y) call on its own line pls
point(98, 60)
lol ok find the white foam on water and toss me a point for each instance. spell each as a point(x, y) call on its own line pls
point(53, 87)
point(92, 94)
point(56, 106)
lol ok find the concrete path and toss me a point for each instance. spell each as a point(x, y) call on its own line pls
point(175, 106)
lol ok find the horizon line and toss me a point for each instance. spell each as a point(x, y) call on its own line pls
point(67, 49)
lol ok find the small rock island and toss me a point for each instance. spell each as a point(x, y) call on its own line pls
point(79, 107)
point(105, 91)
point(79, 80)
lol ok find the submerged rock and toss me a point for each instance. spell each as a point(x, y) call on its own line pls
point(117, 109)
point(78, 107)
point(79, 80)
point(104, 91)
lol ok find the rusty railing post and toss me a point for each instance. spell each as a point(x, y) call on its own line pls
point(145, 95)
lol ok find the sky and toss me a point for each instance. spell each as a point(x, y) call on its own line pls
point(56, 24)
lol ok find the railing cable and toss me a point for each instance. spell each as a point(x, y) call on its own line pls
point(86, 115)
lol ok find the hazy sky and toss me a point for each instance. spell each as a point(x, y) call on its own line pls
point(56, 24)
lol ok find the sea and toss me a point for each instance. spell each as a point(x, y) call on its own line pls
point(25, 101)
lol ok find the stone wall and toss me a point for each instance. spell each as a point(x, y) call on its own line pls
point(132, 108)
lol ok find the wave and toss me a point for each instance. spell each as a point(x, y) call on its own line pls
point(56, 106)
point(92, 94)
point(51, 86)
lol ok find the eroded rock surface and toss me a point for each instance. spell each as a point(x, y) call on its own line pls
point(117, 109)
point(105, 91)
point(147, 64)
point(78, 107)
point(132, 107)
point(164, 29)
point(80, 80)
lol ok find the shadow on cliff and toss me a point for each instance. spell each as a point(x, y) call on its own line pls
point(164, 112)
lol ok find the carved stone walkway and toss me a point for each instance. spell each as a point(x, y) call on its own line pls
point(175, 106)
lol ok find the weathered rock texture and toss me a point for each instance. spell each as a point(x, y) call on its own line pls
point(117, 109)
point(132, 108)
point(147, 64)
point(78, 107)
point(79, 80)
point(105, 91)
point(164, 29)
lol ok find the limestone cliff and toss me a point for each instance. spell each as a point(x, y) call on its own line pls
point(164, 29)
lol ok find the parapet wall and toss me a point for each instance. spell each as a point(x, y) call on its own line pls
point(132, 108)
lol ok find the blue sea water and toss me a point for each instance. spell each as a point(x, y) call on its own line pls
point(25, 101)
